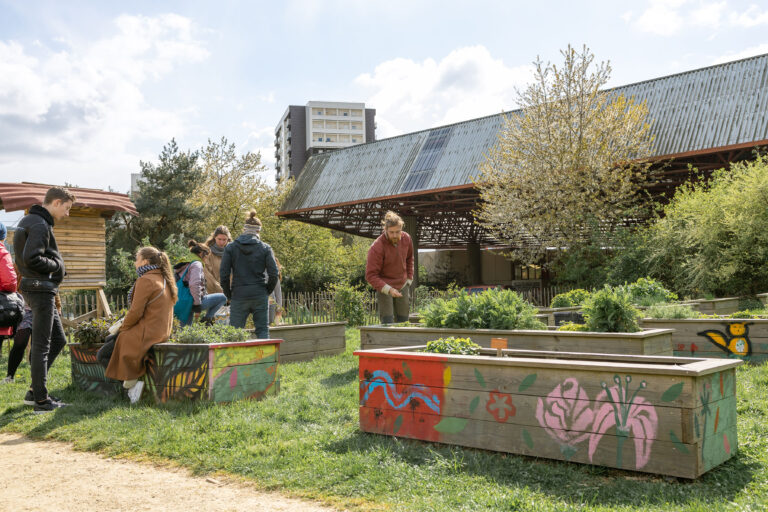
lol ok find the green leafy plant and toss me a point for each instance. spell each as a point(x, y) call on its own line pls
point(491, 309)
point(198, 333)
point(299, 315)
point(647, 292)
point(451, 345)
point(349, 304)
point(750, 303)
point(569, 299)
point(750, 313)
point(611, 310)
point(671, 311)
point(92, 331)
point(570, 326)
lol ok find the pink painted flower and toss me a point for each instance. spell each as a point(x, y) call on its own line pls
point(566, 414)
point(631, 415)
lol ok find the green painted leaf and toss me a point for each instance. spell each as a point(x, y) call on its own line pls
point(527, 439)
point(398, 424)
point(678, 444)
point(473, 404)
point(672, 392)
point(696, 424)
point(527, 382)
point(451, 425)
point(479, 377)
point(407, 371)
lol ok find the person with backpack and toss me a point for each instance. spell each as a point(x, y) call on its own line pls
point(42, 270)
point(193, 297)
point(252, 266)
point(149, 321)
point(8, 285)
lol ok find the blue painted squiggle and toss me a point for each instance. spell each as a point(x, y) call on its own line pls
point(382, 379)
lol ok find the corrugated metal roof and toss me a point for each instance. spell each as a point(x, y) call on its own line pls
point(20, 196)
point(703, 109)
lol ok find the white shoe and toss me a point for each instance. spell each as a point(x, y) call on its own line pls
point(7, 380)
point(128, 384)
point(134, 394)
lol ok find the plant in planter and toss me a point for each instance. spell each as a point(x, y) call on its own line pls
point(569, 299)
point(216, 333)
point(453, 345)
point(671, 311)
point(611, 310)
point(491, 309)
point(647, 292)
point(87, 373)
point(91, 332)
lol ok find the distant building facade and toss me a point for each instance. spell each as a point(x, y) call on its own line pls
point(317, 127)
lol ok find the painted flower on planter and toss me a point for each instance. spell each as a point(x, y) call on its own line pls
point(500, 406)
point(631, 415)
point(566, 415)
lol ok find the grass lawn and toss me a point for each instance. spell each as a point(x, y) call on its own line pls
point(306, 442)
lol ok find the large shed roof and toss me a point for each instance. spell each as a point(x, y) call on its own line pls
point(20, 196)
point(705, 111)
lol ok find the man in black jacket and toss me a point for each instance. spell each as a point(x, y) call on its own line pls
point(254, 276)
point(42, 270)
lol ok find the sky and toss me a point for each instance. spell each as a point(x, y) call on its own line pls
point(88, 90)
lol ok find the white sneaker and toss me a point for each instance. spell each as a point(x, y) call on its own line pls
point(7, 380)
point(134, 394)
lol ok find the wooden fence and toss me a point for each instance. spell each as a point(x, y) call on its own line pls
point(303, 307)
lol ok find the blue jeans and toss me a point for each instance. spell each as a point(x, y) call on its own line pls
point(239, 310)
point(211, 304)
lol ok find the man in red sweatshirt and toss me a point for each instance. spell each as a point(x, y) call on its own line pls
point(389, 269)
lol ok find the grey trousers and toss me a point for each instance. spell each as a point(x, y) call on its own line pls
point(393, 309)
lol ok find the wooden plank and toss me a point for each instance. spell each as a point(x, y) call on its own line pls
point(664, 457)
point(538, 381)
point(307, 356)
point(311, 346)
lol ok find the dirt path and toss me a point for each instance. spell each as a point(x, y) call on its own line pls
point(49, 475)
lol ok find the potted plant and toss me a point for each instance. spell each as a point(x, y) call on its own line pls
point(87, 373)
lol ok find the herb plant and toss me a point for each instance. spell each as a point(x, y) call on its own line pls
point(611, 310)
point(198, 333)
point(569, 299)
point(451, 345)
point(491, 309)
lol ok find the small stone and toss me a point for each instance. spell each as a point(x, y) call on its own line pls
point(212, 481)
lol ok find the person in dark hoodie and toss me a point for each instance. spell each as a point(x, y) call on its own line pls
point(254, 275)
point(42, 270)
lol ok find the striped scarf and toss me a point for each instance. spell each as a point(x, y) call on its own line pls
point(140, 271)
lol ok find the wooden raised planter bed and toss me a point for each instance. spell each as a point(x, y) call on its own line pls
point(219, 372)
point(307, 341)
point(665, 415)
point(724, 306)
point(647, 342)
point(558, 316)
point(745, 339)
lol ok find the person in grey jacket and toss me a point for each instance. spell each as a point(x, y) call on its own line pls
point(254, 275)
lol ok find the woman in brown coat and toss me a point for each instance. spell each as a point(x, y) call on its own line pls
point(149, 320)
point(212, 261)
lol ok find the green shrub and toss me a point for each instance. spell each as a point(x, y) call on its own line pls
point(570, 326)
point(569, 299)
point(349, 304)
point(197, 333)
point(92, 331)
point(671, 311)
point(451, 345)
point(750, 303)
point(647, 292)
point(750, 313)
point(611, 310)
point(491, 309)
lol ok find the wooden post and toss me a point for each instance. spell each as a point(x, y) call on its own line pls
point(102, 304)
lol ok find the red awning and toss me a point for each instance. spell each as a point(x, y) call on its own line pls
point(20, 196)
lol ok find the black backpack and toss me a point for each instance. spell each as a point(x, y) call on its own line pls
point(11, 309)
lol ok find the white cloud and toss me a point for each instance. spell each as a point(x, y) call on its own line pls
point(752, 17)
point(749, 52)
point(81, 109)
point(709, 15)
point(670, 17)
point(467, 83)
point(661, 17)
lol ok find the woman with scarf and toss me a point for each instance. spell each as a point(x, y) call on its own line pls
point(192, 274)
point(212, 263)
point(252, 266)
point(149, 321)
